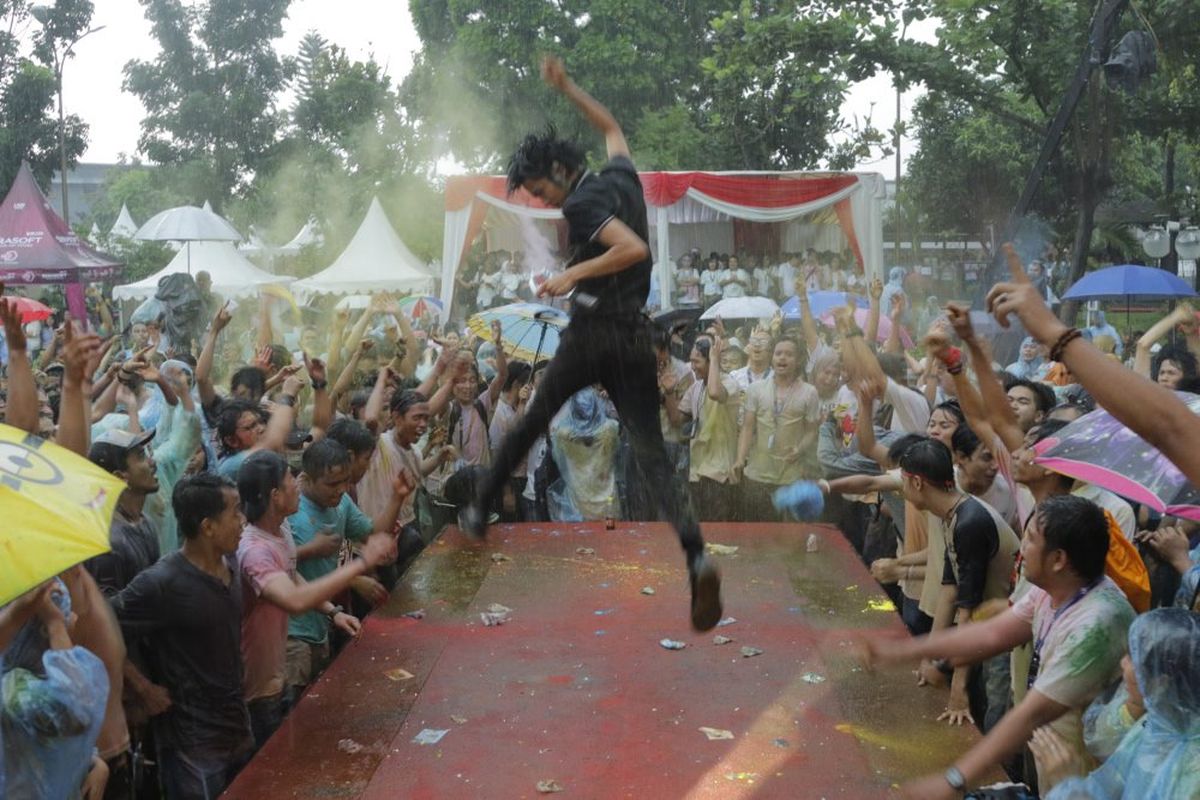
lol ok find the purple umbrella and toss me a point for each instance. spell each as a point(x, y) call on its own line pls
point(1098, 449)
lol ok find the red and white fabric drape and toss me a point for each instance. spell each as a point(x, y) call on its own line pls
point(694, 198)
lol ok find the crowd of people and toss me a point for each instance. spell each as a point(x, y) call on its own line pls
point(282, 474)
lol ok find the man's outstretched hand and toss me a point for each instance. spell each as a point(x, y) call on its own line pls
point(1019, 296)
point(554, 72)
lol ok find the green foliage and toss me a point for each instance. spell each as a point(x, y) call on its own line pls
point(28, 91)
point(210, 92)
point(695, 83)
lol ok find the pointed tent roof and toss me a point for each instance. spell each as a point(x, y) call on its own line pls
point(376, 260)
point(232, 274)
point(307, 235)
point(37, 246)
point(124, 227)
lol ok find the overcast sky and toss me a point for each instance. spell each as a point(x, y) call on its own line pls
point(92, 80)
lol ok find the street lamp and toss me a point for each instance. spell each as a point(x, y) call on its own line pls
point(45, 15)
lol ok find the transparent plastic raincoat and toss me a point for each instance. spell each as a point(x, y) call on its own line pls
point(53, 706)
point(1159, 759)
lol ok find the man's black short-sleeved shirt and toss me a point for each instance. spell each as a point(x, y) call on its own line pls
point(970, 548)
point(189, 626)
point(615, 192)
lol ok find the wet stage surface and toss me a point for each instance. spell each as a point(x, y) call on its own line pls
point(576, 689)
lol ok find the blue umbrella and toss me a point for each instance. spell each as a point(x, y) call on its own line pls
point(528, 331)
point(1129, 281)
point(820, 302)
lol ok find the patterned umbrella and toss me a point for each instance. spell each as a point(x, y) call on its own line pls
point(528, 331)
point(1098, 449)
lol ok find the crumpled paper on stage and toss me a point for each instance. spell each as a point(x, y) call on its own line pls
point(716, 734)
point(430, 736)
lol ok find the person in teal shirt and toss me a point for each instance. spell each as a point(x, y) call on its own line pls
point(326, 519)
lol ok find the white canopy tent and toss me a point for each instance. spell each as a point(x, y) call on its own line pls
point(709, 210)
point(124, 227)
point(376, 260)
point(308, 235)
point(232, 274)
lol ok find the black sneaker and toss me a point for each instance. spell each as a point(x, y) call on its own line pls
point(473, 521)
point(706, 593)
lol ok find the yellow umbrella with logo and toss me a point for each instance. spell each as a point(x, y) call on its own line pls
point(55, 508)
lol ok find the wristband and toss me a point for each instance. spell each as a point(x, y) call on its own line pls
point(286, 400)
point(319, 385)
point(955, 778)
point(333, 612)
point(854, 333)
point(1056, 352)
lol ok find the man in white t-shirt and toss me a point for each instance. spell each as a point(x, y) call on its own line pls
point(1076, 618)
point(735, 281)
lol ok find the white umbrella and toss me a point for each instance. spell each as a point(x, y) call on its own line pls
point(742, 308)
point(187, 224)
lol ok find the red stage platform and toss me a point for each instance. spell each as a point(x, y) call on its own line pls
point(576, 689)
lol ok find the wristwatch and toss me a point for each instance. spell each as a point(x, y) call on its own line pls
point(286, 400)
point(333, 612)
point(319, 385)
point(955, 778)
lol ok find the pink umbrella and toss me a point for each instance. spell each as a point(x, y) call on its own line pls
point(885, 325)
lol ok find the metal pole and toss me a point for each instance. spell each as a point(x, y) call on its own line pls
point(62, 145)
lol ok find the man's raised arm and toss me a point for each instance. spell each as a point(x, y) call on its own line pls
point(555, 74)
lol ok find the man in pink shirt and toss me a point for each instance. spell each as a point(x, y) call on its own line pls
point(273, 589)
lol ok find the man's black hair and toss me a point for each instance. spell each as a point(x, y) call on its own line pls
point(930, 460)
point(518, 373)
point(1180, 355)
point(964, 441)
point(260, 474)
point(537, 154)
point(403, 401)
point(252, 378)
point(230, 414)
point(897, 448)
point(197, 498)
point(320, 457)
point(1043, 396)
point(1078, 527)
point(352, 435)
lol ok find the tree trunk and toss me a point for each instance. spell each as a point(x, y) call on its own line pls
point(1085, 221)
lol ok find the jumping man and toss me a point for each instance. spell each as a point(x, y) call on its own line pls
point(609, 340)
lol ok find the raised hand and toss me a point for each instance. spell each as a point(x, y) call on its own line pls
point(222, 318)
point(554, 72)
point(876, 289)
point(78, 350)
point(292, 385)
point(315, 368)
point(262, 359)
point(960, 320)
point(1019, 296)
point(497, 334)
point(937, 345)
point(14, 331)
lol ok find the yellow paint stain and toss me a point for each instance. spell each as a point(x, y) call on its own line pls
point(879, 605)
point(900, 744)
